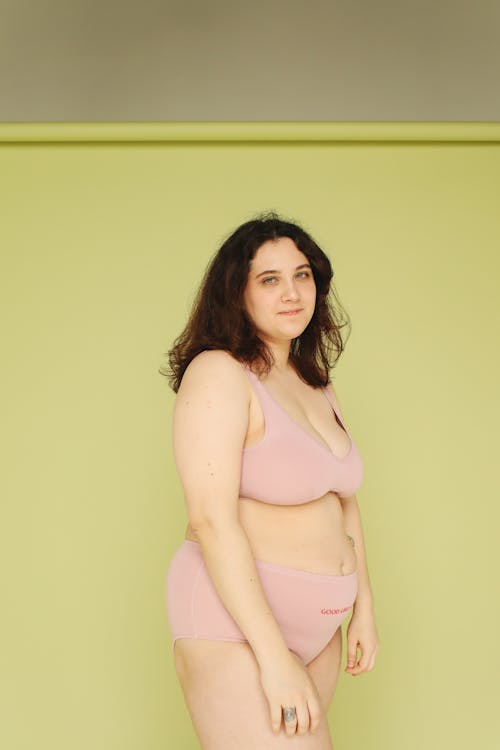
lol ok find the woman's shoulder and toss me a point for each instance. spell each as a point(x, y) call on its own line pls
point(215, 358)
point(214, 365)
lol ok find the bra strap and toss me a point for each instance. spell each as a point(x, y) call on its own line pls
point(329, 396)
point(335, 408)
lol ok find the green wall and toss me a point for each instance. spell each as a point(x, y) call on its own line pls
point(105, 232)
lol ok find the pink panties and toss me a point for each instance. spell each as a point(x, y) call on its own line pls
point(308, 607)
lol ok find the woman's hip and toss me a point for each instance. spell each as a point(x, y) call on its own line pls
point(297, 598)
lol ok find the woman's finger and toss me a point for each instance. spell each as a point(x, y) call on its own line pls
point(366, 662)
point(352, 649)
point(290, 723)
point(275, 716)
point(314, 713)
point(302, 718)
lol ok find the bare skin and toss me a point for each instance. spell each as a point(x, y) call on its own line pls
point(224, 697)
point(222, 681)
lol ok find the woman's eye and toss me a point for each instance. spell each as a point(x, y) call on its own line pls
point(272, 278)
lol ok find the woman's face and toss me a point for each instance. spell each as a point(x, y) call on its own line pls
point(280, 279)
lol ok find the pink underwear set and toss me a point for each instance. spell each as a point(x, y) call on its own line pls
point(309, 607)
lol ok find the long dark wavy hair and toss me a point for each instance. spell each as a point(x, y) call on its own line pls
point(218, 319)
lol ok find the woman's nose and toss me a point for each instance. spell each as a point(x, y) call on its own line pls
point(290, 291)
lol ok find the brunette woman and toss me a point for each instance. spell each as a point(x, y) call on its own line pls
point(273, 559)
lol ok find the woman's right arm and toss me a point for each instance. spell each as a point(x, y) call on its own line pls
point(209, 427)
point(210, 423)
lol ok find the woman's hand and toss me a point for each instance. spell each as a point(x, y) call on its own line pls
point(286, 682)
point(362, 633)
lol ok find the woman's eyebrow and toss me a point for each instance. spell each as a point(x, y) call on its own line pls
point(276, 270)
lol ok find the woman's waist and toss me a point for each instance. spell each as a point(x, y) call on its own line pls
point(310, 536)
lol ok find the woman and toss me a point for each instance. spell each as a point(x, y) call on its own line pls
point(273, 559)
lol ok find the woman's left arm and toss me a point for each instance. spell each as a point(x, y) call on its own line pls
point(361, 631)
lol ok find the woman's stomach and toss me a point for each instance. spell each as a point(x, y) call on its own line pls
point(310, 536)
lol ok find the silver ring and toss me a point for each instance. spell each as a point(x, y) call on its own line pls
point(289, 712)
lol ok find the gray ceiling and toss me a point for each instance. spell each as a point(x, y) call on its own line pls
point(110, 60)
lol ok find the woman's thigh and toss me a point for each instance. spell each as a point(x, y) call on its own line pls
point(221, 685)
point(325, 668)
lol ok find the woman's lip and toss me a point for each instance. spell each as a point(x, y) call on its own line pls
point(290, 312)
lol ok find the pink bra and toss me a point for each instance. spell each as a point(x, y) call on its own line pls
point(289, 466)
